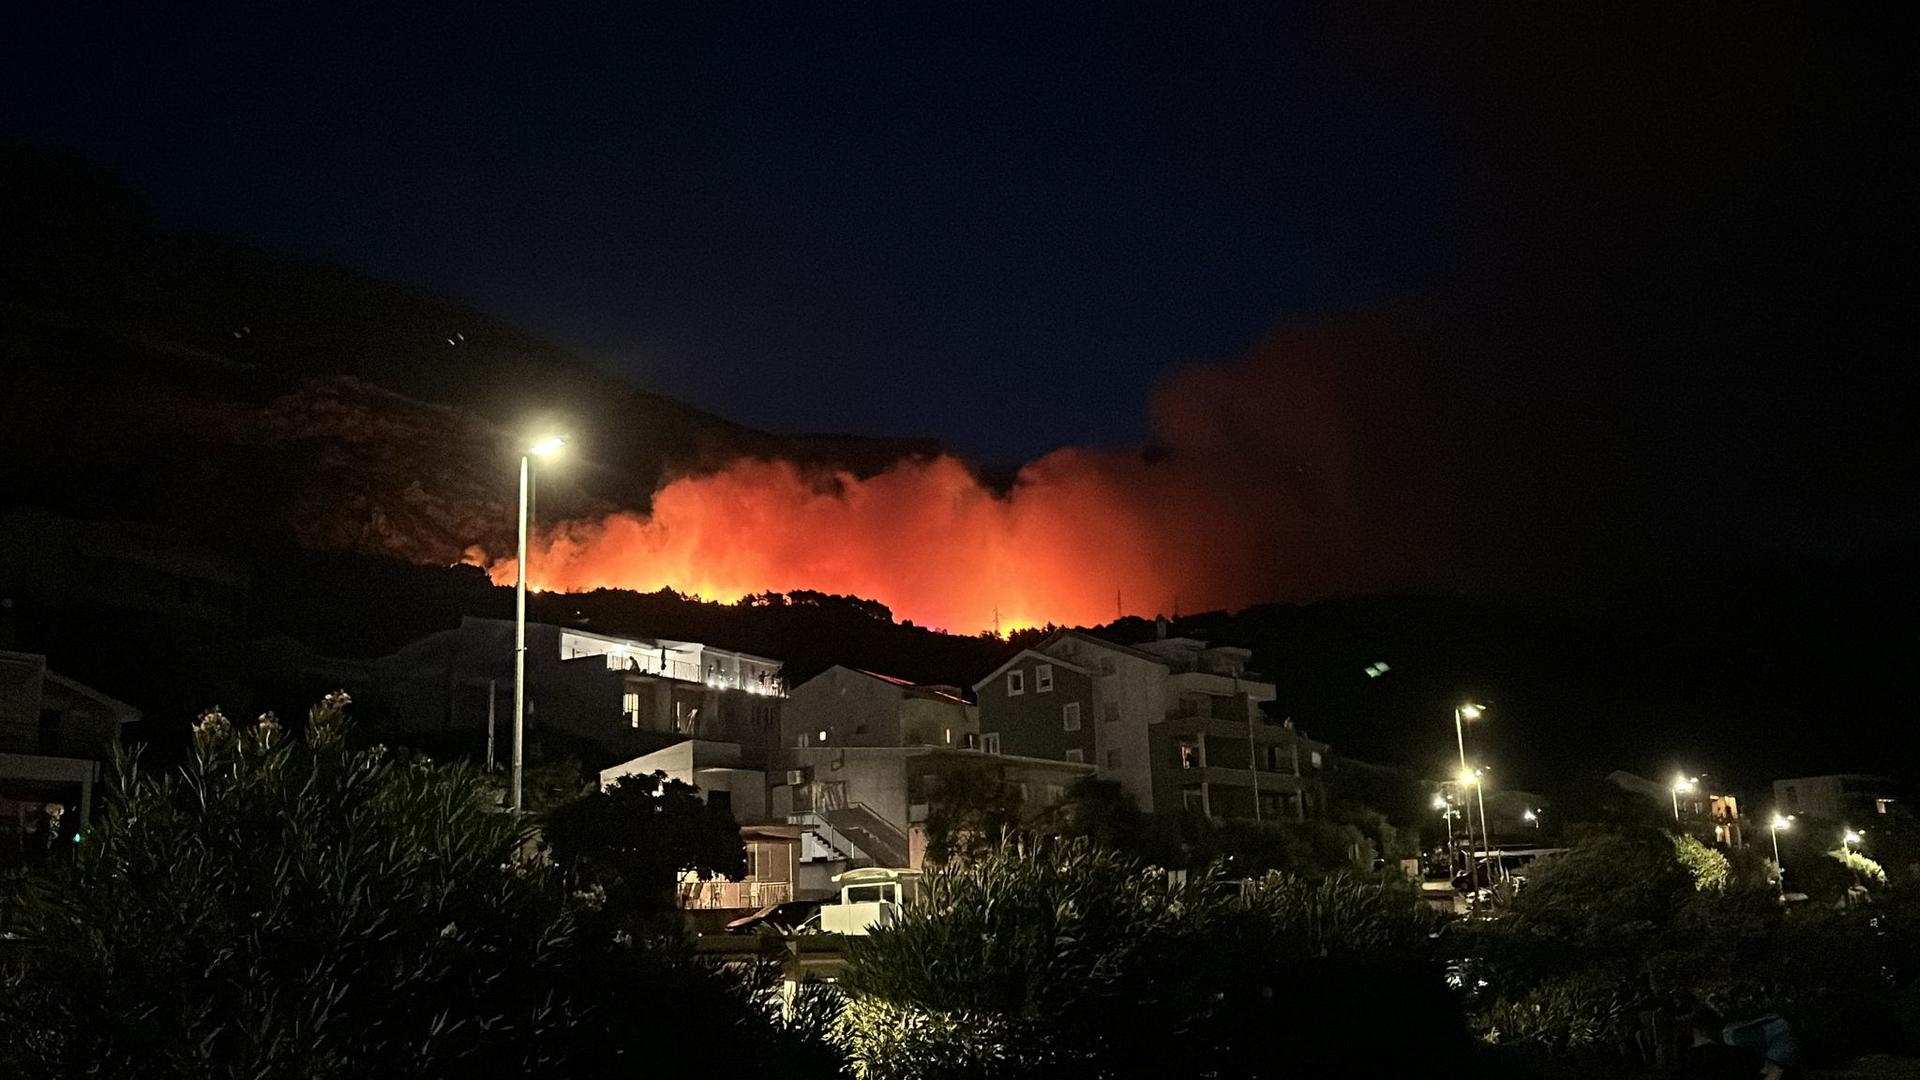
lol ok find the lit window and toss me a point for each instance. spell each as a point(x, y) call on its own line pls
point(630, 704)
point(1042, 678)
point(1316, 759)
point(1189, 755)
point(949, 735)
point(1076, 755)
point(990, 742)
point(1016, 683)
point(1070, 716)
point(1883, 806)
point(822, 734)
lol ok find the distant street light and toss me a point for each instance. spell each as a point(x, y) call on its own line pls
point(1779, 871)
point(1848, 840)
point(1680, 784)
point(1531, 818)
point(546, 447)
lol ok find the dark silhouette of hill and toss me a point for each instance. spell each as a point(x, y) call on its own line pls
point(214, 388)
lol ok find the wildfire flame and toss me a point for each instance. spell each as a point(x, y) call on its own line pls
point(1081, 534)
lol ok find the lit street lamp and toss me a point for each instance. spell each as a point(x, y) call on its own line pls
point(1462, 713)
point(1680, 784)
point(546, 447)
point(1779, 871)
point(1531, 818)
point(1848, 840)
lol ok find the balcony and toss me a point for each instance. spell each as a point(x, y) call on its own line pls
point(713, 895)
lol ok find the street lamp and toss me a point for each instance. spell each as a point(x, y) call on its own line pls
point(1779, 871)
point(1461, 713)
point(546, 447)
point(1531, 818)
point(1680, 784)
point(1849, 839)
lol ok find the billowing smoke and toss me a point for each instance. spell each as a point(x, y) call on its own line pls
point(1242, 498)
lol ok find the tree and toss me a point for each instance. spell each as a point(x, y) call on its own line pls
point(969, 809)
point(283, 907)
point(635, 838)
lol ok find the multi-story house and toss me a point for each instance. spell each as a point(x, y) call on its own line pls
point(864, 761)
point(1842, 797)
point(1175, 722)
point(54, 733)
point(607, 698)
point(845, 706)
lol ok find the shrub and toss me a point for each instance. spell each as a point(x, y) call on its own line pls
point(1059, 958)
point(289, 908)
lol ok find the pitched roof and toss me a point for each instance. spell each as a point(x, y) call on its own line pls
point(1015, 658)
point(924, 688)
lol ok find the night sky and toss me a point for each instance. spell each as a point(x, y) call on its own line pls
point(1616, 292)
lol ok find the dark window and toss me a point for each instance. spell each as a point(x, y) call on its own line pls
point(49, 731)
point(721, 799)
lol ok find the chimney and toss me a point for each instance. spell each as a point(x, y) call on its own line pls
point(1159, 628)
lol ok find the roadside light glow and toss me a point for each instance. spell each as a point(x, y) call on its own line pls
point(1681, 783)
point(1439, 802)
point(1467, 778)
point(1851, 837)
point(1528, 816)
point(548, 446)
point(1780, 822)
point(1471, 712)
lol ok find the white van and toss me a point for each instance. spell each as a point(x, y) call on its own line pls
point(871, 898)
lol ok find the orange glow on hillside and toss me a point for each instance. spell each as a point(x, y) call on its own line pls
point(925, 538)
point(1245, 497)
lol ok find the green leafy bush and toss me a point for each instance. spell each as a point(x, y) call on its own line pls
point(296, 908)
point(1060, 958)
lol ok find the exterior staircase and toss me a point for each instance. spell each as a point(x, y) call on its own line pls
point(880, 839)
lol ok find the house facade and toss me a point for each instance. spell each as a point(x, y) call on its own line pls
point(54, 734)
point(845, 706)
point(1843, 797)
point(604, 697)
point(1175, 722)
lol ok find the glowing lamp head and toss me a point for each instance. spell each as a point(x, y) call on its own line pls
point(1851, 837)
point(1470, 711)
point(1780, 822)
point(548, 446)
point(1439, 802)
point(1469, 778)
point(1681, 783)
point(1529, 816)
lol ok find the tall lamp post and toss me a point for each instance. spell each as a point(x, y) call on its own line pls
point(1680, 784)
point(1462, 713)
point(1779, 871)
point(546, 447)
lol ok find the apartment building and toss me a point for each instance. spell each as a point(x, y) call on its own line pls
point(607, 698)
point(1176, 722)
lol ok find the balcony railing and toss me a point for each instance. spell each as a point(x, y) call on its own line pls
point(706, 895)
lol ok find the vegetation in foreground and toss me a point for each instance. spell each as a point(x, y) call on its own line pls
point(289, 904)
